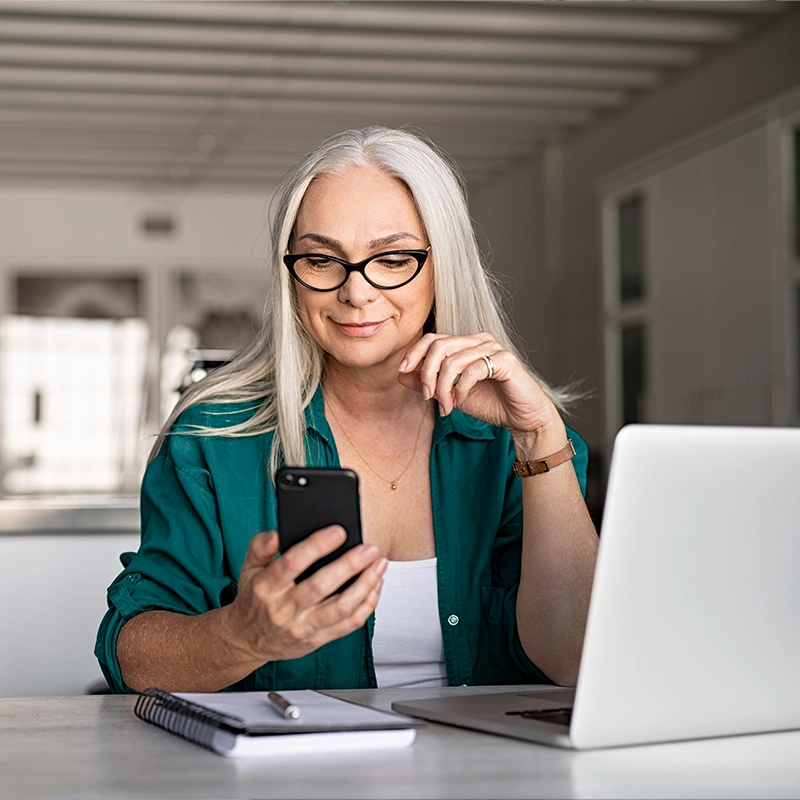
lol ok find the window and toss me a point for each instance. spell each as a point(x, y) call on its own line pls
point(633, 374)
point(72, 397)
point(631, 249)
point(797, 346)
point(797, 193)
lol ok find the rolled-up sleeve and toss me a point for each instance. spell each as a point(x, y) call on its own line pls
point(180, 565)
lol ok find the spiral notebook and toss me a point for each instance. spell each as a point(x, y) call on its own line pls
point(247, 724)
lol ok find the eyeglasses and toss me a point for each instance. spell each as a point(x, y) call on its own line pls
point(324, 273)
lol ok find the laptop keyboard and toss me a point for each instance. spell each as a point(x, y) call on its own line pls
point(556, 716)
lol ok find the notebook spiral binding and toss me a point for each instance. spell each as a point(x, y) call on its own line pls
point(187, 720)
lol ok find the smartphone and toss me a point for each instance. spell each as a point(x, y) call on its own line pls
point(311, 498)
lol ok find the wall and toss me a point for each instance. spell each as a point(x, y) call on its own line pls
point(97, 229)
point(572, 345)
point(711, 288)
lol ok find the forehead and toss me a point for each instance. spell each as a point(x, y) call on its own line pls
point(358, 201)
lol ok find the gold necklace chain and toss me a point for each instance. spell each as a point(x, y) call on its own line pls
point(392, 483)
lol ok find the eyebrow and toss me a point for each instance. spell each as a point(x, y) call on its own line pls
point(384, 241)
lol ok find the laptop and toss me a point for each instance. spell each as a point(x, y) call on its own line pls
point(694, 620)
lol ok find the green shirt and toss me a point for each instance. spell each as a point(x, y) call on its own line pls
point(204, 497)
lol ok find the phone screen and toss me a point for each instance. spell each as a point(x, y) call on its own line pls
point(311, 498)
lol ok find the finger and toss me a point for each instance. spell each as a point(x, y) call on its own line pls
point(417, 352)
point(410, 380)
point(441, 359)
point(262, 550)
point(478, 370)
point(325, 581)
point(357, 619)
point(343, 604)
point(299, 557)
point(460, 371)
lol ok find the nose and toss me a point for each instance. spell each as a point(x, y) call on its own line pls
point(356, 291)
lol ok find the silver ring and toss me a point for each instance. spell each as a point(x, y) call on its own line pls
point(489, 366)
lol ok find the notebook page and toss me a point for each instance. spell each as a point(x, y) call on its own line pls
point(319, 710)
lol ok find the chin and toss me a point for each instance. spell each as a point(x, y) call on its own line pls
point(361, 354)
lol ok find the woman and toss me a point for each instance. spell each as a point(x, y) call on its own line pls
point(385, 351)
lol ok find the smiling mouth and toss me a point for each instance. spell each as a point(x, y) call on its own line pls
point(359, 329)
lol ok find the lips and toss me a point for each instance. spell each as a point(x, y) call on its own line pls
point(359, 329)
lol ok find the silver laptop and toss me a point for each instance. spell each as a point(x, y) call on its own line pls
point(694, 621)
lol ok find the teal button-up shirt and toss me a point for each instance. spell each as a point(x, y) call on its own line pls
point(204, 497)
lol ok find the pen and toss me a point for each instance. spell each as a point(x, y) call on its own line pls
point(289, 710)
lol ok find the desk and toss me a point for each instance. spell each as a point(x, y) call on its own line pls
point(94, 747)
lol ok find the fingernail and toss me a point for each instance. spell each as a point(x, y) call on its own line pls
point(380, 567)
point(368, 553)
point(403, 365)
point(426, 391)
point(336, 533)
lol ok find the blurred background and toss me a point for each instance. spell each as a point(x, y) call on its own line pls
point(634, 175)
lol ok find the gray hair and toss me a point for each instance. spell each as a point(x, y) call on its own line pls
point(278, 373)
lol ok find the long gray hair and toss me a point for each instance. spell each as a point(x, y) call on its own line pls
point(278, 373)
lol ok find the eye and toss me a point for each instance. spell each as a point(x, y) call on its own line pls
point(318, 262)
point(396, 262)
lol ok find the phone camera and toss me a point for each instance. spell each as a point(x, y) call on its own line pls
point(288, 480)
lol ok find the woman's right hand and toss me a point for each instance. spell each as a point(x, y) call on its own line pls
point(273, 618)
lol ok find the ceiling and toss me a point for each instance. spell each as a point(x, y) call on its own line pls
point(228, 94)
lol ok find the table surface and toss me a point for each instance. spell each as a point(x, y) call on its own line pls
point(94, 747)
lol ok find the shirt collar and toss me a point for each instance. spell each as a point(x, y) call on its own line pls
point(315, 417)
point(461, 424)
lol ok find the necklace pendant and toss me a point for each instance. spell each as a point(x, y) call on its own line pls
point(394, 485)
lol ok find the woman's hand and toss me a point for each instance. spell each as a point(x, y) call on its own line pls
point(273, 618)
point(453, 371)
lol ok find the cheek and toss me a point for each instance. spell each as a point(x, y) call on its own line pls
point(307, 304)
point(429, 294)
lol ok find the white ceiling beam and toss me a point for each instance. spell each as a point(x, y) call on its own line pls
point(152, 60)
point(307, 133)
point(252, 39)
point(160, 153)
point(157, 171)
point(732, 7)
point(653, 23)
point(309, 88)
point(401, 112)
point(273, 136)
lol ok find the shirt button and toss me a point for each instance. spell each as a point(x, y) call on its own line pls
point(453, 619)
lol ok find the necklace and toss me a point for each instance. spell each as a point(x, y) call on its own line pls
point(392, 483)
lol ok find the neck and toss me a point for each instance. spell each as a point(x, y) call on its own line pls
point(368, 393)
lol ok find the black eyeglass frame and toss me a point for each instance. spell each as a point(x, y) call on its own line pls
point(421, 256)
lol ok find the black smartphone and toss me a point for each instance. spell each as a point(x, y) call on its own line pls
point(311, 498)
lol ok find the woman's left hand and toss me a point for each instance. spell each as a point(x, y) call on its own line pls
point(453, 370)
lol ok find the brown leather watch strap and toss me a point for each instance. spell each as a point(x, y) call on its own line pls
point(525, 469)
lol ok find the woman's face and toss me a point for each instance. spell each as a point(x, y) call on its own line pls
point(353, 216)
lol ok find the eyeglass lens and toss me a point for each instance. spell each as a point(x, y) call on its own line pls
point(386, 270)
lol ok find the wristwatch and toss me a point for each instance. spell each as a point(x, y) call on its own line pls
point(525, 469)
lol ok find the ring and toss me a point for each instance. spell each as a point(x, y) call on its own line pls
point(489, 366)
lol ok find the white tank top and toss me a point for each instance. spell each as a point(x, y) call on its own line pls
point(407, 646)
